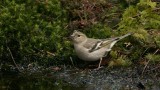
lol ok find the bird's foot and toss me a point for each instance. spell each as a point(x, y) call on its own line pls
point(100, 67)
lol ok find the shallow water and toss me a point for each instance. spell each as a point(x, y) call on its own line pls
point(69, 78)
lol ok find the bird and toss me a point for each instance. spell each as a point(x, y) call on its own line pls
point(91, 49)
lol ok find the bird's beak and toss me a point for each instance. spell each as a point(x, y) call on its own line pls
point(71, 37)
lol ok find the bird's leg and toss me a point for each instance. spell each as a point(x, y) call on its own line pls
point(99, 66)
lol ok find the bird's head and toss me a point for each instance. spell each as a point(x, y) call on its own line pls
point(78, 37)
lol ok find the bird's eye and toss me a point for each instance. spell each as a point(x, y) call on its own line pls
point(78, 35)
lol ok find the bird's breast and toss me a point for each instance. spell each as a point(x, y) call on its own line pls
point(84, 54)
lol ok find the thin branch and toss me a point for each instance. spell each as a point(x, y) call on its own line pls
point(45, 52)
point(13, 59)
point(145, 67)
point(156, 51)
point(149, 61)
point(50, 53)
point(72, 61)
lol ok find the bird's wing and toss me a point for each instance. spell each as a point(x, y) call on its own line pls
point(101, 44)
point(90, 43)
point(95, 44)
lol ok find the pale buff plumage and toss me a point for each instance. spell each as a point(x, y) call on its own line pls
point(89, 49)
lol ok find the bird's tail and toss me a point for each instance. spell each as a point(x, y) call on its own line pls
point(121, 37)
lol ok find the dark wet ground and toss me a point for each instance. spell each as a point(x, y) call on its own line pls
point(69, 78)
point(111, 79)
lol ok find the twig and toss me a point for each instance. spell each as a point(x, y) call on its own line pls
point(45, 52)
point(148, 62)
point(72, 61)
point(115, 26)
point(144, 52)
point(156, 51)
point(50, 53)
point(13, 59)
point(145, 67)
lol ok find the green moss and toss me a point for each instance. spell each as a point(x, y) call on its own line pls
point(121, 61)
point(153, 57)
point(30, 29)
point(144, 22)
point(37, 31)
